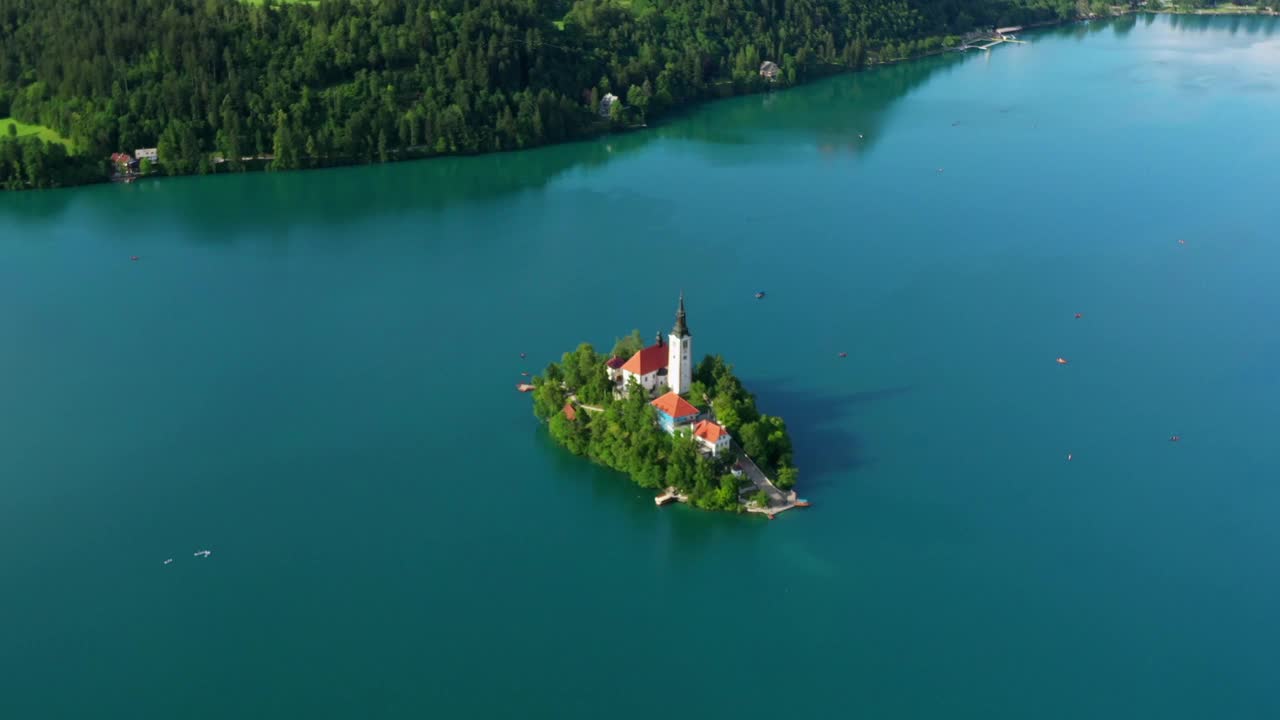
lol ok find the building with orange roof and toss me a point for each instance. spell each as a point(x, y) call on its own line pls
point(569, 412)
point(711, 436)
point(674, 411)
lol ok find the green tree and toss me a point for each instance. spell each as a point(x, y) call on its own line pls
point(787, 477)
point(754, 440)
point(761, 499)
point(637, 98)
point(144, 166)
point(548, 398)
point(627, 346)
point(13, 130)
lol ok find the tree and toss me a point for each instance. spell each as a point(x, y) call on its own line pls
point(284, 148)
point(13, 130)
point(787, 476)
point(682, 465)
point(761, 499)
point(548, 398)
point(629, 345)
point(754, 441)
point(637, 98)
point(144, 166)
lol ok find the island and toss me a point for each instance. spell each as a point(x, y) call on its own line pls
point(692, 433)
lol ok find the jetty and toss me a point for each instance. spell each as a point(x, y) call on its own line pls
point(778, 501)
point(986, 41)
point(671, 495)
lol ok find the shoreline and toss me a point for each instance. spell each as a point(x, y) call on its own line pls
point(261, 164)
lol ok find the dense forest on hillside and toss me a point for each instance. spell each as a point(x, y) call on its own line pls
point(340, 81)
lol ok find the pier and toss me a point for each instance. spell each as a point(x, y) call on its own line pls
point(671, 495)
point(778, 501)
point(988, 41)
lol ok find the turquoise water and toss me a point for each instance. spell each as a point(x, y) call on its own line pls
point(312, 375)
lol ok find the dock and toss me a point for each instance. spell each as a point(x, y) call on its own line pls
point(988, 41)
point(771, 510)
point(671, 495)
point(779, 501)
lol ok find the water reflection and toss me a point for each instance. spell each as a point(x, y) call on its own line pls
point(844, 114)
point(832, 114)
point(847, 113)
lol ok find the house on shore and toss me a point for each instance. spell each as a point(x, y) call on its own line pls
point(123, 163)
point(606, 104)
point(769, 70)
point(148, 154)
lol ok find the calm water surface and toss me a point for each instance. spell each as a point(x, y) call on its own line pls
point(311, 375)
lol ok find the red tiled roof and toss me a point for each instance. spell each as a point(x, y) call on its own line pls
point(569, 412)
point(615, 362)
point(647, 360)
point(674, 406)
point(709, 431)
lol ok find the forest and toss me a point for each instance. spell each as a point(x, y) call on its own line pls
point(624, 434)
point(222, 84)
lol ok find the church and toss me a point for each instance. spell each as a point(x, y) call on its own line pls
point(669, 366)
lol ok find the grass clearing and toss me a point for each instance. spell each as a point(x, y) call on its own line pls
point(40, 131)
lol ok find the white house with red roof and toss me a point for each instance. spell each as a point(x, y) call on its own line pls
point(648, 367)
point(660, 364)
point(711, 436)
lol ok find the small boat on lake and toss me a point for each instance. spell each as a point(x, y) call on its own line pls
point(524, 387)
point(759, 294)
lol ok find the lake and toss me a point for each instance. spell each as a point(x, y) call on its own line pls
point(312, 375)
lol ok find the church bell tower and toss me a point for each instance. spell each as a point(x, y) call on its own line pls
point(679, 354)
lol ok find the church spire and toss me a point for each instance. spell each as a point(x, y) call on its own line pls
point(680, 330)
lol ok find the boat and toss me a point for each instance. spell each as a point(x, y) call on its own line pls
point(166, 562)
point(202, 553)
point(759, 294)
point(524, 387)
point(1062, 361)
point(844, 354)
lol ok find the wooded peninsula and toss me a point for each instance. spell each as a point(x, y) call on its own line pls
point(223, 85)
